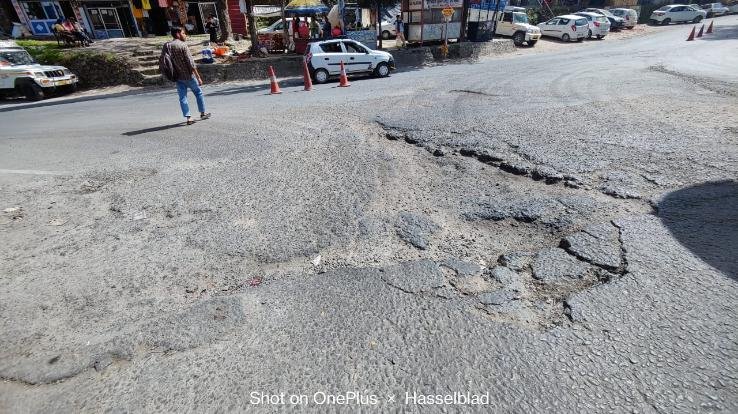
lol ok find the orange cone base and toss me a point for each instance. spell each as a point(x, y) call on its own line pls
point(691, 35)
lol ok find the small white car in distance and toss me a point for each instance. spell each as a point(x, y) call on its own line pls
point(387, 30)
point(599, 25)
point(568, 27)
point(324, 59)
point(715, 9)
point(677, 13)
point(629, 15)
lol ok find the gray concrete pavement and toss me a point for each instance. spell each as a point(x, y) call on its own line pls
point(557, 231)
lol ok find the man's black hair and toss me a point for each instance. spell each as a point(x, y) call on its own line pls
point(175, 31)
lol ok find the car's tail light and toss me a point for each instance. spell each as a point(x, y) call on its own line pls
point(627, 17)
point(573, 28)
point(597, 24)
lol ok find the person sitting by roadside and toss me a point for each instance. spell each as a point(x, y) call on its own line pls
point(69, 26)
point(79, 29)
point(59, 28)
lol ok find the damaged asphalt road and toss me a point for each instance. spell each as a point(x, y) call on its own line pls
point(558, 230)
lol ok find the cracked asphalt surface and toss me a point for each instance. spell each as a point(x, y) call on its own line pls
point(559, 230)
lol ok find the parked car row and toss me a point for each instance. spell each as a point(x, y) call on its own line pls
point(588, 23)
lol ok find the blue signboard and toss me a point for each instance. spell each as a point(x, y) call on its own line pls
point(490, 5)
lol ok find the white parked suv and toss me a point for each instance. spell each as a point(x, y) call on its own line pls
point(568, 27)
point(513, 22)
point(629, 15)
point(676, 13)
point(715, 9)
point(324, 59)
point(21, 75)
point(599, 26)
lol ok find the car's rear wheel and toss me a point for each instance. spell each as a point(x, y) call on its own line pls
point(382, 70)
point(32, 92)
point(666, 22)
point(697, 19)
point(385, 34)
point(320, 76)
point(565, 37)
point(519, 38)
point(580, 39)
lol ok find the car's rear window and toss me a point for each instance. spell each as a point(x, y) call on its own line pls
point(665, 8)
point(581, 22)
point(619, 13)
point(601, 19)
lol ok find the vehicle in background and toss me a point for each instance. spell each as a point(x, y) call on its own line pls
point(387, 30)
point(324, 59)
point(616, 23)
point(568, 27)
point(677, 13)
point(513, 22)
point(21, 75)
point(629, 16)
point(715, 9)
point(276, 27)
point(733, 8)
point(599, 26)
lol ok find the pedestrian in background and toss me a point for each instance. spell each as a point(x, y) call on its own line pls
point(400, 32)
point(326, 28)
point(314, 28)
point(211, 26)
point(187, 76)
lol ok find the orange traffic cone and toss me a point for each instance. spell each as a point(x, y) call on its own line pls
point(691, 35)
point(273, 81)
point(699, 34)
point(709, 28)
point(306, 76)
point(344, 79)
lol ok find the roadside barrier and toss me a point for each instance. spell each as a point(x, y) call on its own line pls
point(691, 35)
point(306, 76)
point(273, 81)
point(344, 79)
point(709, 28)
point(699, 34)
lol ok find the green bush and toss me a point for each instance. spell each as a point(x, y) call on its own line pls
point(93, 68)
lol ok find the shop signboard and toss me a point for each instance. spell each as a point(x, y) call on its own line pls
point(434, 4)
point(490, 5)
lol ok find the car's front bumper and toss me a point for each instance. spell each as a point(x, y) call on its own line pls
point(532, 36)
point(57, 82)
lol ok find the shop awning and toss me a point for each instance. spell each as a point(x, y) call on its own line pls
point(305, 7)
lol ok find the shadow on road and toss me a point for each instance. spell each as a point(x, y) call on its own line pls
point(704, 219)
point(23, 104)
point(153, 129)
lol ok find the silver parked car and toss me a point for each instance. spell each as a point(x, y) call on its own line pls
point(599, 26)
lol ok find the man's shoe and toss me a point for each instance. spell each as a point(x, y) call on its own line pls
point(205, 115)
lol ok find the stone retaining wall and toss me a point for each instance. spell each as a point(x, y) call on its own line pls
point(291, 66)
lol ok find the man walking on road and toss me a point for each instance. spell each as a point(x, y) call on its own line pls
point(187, 75)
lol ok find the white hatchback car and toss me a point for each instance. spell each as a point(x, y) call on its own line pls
point(599, 26)
point(715, 9)
point(629, 15)
point(568, 27)
point(676, 13)
point(324, 59)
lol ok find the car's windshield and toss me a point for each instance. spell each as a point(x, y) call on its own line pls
point(601, 19)
point(520, 18)
point(619, 13)
point(16, 57)
point(606, 13)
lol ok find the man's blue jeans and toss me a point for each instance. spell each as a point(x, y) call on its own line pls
point(182, 90)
